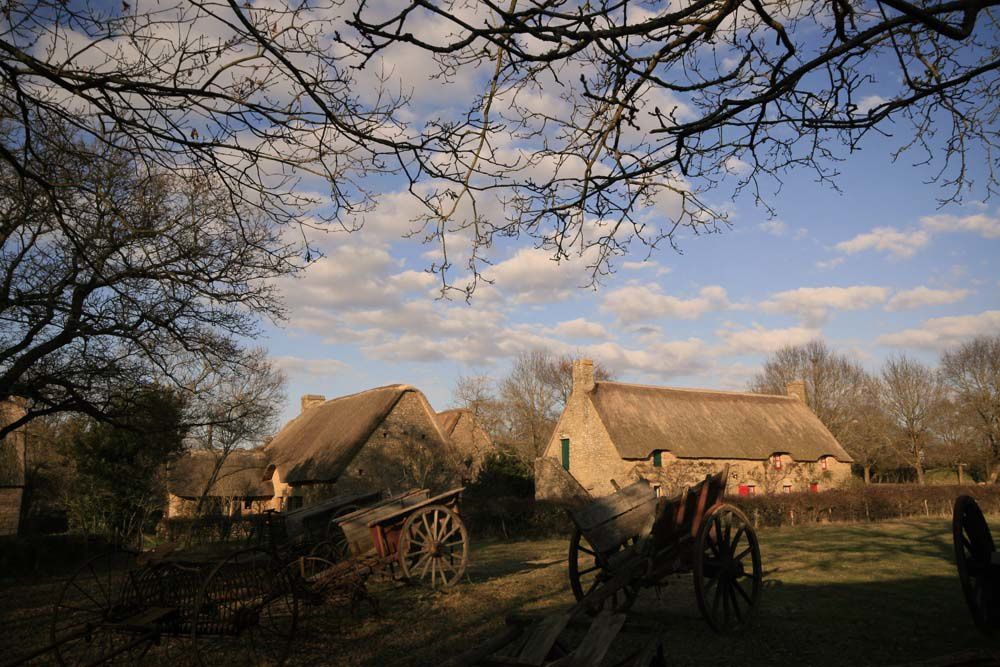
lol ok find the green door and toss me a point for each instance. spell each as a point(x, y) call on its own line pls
point(565, 453)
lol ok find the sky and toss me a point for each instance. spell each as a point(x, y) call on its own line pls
point(876, 269)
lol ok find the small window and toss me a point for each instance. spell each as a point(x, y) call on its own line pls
point(776, 461)
point(565, 453)
point(657, 460)
point(751, 490)
point(814, 487)
point(657, 490)
point(823, 462)
point(787, 488)
point(248, 504)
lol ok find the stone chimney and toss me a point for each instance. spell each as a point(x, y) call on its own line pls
point(311, 400)
point(796, 389)
point(583, 375)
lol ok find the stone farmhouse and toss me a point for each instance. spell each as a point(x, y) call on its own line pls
point(674, 437)
point(239, 487)
point(13, 452)
point(386, 439)
point(469, 438)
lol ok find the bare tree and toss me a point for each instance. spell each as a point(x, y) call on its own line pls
point(913, 402)
point(835, 384)
point(119, 274)
point(233, 407)
point(972, 372)
point(557, 372)
point(592, 112)
point(589, 115)
point(867, 435)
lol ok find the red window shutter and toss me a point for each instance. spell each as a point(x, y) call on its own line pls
point(744, 490)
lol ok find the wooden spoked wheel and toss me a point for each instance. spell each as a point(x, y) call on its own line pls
point(434, 546)
point(727, 569)
point(86, 626)
point(589, 570)
point(246, 612)
point(973, 555)
point(338, 548)
point(307, 573)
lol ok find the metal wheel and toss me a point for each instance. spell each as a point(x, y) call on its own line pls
point(588, 570)
point(973, 555)
point(434, 546)
point(86, 621)
point(727, 569)
point(246, 612)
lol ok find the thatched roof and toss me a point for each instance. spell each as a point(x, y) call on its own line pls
point(698, 423)
point(449, 419)
point(318, 445)
point(241, 475)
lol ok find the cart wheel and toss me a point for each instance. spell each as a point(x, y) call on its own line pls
point(588, 570)
point(434, 546)
point(335, 537)
point(306, 573)
point(246, 612)
point(90, 604)
point(973, 555)
point(727, 570)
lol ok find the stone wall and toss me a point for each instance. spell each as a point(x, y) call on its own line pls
point(10, 510)
point(184, 507)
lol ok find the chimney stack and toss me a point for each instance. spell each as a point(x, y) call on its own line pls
point(796, 389)
point(583, 375)
point(311, 400)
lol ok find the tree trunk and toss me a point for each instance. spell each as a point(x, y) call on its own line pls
point(919, 467)
point(868, 475)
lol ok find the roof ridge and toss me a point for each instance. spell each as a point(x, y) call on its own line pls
point(398, 386)
point(694, 390)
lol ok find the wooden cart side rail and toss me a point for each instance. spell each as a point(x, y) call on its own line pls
point(359, 514)
point(333, 504)
point(446, 498)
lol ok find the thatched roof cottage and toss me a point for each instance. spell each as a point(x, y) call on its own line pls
point(674, 437)
point(385, 439)
point(239, 485)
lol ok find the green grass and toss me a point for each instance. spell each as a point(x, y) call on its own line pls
point(835, 594)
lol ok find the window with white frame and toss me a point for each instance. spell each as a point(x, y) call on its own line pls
point(776, 461)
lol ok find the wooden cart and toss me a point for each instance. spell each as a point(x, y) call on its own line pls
point(633, 540)
point(978, 564)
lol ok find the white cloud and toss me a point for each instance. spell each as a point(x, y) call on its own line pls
point(581, 328)
point(532, 276)
point(899, 244)
point(812, 304)
point(773, 227)
point(759, 340)
point(647, 265)
point(941, 332)
point(637, 303)
point(919, 297)
point(984, 225)
point(314, 367)
point(830, 263)
point(868, 103)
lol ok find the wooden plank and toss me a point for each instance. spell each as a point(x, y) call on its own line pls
point(357, 514)
point(609, 507)
point(651, 654)
point(596, 643)
point(408, 508)
point(541, 638)
point(636, 522)
point(477, 655)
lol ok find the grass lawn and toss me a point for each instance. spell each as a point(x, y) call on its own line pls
point(835, 594)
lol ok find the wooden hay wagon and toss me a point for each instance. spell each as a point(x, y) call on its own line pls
point(632, 540)
point(978, 564)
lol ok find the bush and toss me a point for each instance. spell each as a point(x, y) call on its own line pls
point(879, 502)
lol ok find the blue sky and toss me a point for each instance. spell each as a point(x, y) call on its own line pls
point(875, 269)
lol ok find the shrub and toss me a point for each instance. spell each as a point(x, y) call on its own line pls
point(872, 503)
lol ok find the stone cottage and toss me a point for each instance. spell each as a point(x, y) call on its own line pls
point(13, 452)
point(385, 439)
point(239, 487)
point(468, 437)
point(674, 437)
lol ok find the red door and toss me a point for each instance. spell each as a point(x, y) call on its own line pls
point(814, 487)
point(744, 490)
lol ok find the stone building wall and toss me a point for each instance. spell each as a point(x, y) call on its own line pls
point(10, 509)
point(178, 507)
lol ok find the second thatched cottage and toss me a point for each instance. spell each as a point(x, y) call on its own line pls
point(385, 439)
point(674, 437)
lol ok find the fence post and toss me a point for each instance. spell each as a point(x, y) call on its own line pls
point(927, 510)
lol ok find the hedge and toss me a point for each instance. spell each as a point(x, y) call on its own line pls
point(879, 502)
